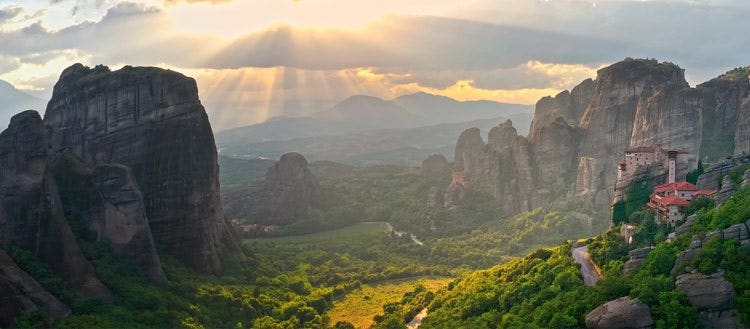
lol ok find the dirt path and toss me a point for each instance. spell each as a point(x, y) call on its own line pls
point(588, 268)
point(417, 320)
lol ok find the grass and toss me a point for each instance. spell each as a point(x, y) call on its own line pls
point(360, 306)
point(332, 239)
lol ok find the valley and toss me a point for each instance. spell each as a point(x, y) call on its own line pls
point(129, 215)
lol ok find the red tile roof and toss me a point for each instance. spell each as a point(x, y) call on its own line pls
point(705, 192)
point(671, 200)
point(676, 186)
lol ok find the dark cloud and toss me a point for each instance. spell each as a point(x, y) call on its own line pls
point(9, 13)
point(128, 33)
point(419, 43)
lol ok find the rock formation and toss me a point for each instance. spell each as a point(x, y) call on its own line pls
point(711, 177)
point(725, 114)
point(713, 296)
point(636, 258)
point(726, 191)
point(291, 187)
point(152, 121)
point(620, 313)
point(578, 137)
point(286, 194)
point(33, 217)
point(21, 294)
point(435, 164)
point(108, 199)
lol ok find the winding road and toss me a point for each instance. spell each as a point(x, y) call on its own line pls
point(588, 268)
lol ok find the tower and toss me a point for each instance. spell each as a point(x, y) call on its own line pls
point(672, 164)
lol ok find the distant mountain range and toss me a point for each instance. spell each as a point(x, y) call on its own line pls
point(360, 127)
point(13, 101)
point(402, 146)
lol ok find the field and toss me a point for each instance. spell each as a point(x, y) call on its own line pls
point(360, 306)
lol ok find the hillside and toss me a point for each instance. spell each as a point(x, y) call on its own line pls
point(545, 288)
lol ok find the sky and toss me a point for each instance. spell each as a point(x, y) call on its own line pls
point(257, 59)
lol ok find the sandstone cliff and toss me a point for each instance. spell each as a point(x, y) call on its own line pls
point(152, 121)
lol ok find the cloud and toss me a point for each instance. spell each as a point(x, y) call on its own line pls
point(173, 2)
point(417, 43)
point(9, 13)
point(8, 63)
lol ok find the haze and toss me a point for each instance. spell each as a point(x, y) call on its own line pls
point(254, 60)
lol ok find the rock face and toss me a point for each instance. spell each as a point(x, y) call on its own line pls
point(501, 168)
point(291, 187)
point(726, 114)
point(636, 258)
point(33, 217)
point(108, 199)
point(435, 164)
point(620, 313)
point(578, 137)
point(711, 177)
point(726, 191)
point(707, 293)
point(286, 195)
point(152, 121)
point(21, 294)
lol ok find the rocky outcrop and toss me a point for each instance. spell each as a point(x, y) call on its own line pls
point(469, 149)
point(711, 176)
point(152, 121)
point(578, 137)
point(33, 216)
point(502, 168)
point(725, 114)
point(109, 201)
point(707, 293)
point(569, 105)
point(435, 164)
point(636, 258)
point(554, 149)
point(620, 313)
point(726, 191)
point(286, 195)
point(713, 296)
point(291, 187)
point(21, 294)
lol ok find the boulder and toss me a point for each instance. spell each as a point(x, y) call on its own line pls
point(620, 313)
point(707, 293)
point(746, 178)
point(435, 164)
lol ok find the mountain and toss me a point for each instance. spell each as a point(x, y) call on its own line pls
point(403, 146)
point(360, 113)
point(123, 164)
point(578, 136)
point(13, 101)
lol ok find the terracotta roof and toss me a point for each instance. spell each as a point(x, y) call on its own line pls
point(671, 200)
point(705, 192)
point(676, 186)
